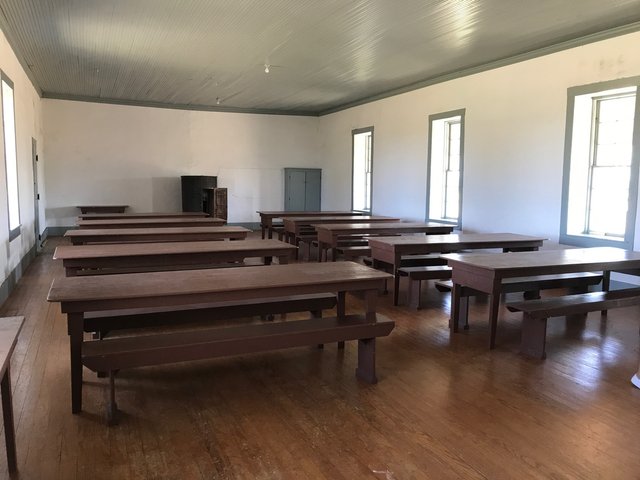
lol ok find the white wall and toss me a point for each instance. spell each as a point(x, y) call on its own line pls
point(514, 139)
point(98, 153)
point(28, 125)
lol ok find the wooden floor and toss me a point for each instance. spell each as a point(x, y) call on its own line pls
point(444, 407)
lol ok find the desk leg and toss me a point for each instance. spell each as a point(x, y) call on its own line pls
point(75, 321)
point(455, 307)
point(7, 414)
point(264, 231)
point(396, 285)
point(341, 311)
point(606, 284)
point(366, 370)
point(494, 298)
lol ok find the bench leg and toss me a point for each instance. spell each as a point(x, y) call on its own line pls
point(317, 314)
point(534, 333)
point(606, 284)
point(396, 287)
point(341, 311)
point(464, 312)
point(75, 321)
point(7, 416)
point(493, 319)
point(112, 406)
point(366, 370)
point(414, 293)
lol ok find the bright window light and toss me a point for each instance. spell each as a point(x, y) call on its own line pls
point(10, 155)
point(362, 170)
point(445, 166)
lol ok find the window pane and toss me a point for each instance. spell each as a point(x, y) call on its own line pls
point(11, 162)
point(362, 166)
point(445, 161)
point(609, 201)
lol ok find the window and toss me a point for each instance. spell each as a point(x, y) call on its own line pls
point(10, 155)
point(444, 169)
point(601, 171)
point(362, 169)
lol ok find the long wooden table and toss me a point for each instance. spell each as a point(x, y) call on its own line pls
point(9, 330)
point(484, 272)
point(142, 257)
point(391, 249)
point(330, 233)
point(79, 295)
point(107, 216)
point(102, 208)
point(295, 226)
point(167, 234)
point(151, 222)
point(267, 216)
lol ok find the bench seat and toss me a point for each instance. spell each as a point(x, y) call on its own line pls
point(354, 251)
point(578, 282)
point(114, 354)
point(536, 312)
point(417, 275)
point(105, 321)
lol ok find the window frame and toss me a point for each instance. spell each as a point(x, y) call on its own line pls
point(586, 240)
point(355, 132)
point(13, 234)
point(461, 112)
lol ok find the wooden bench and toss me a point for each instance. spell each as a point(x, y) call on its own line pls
point(408, 261)
point(102, 322)
point(536, 313)
point(417, 275)
point(352, 252)
point(578, 282)
point(112, 355)
point(9, 329)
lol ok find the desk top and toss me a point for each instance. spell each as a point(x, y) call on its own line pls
point(9, 329)
point(109, 232)
point(548, 261)
point(284, 213)
point(67, 252)
point(104, 208)
point(106, 216)
point(149, 222)
point(109, 292)
point(332, 219)
point(391, 226)
point(457, 240)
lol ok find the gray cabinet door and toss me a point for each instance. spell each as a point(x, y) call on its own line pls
point(302, 189)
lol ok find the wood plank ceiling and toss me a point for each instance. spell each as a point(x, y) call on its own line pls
point(323, 54)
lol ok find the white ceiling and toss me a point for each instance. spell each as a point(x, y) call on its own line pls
point(324, 54)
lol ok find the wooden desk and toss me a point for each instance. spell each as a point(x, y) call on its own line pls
point(78, 295)
point(294, 226)
point(9, 329)
point(102, 208)
point(171, 234)
point(144, 257)
point(266, 217)
point(391, 249)
point(107, 216)
point(484, 272)
point(329, 233)
point(151, 222)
